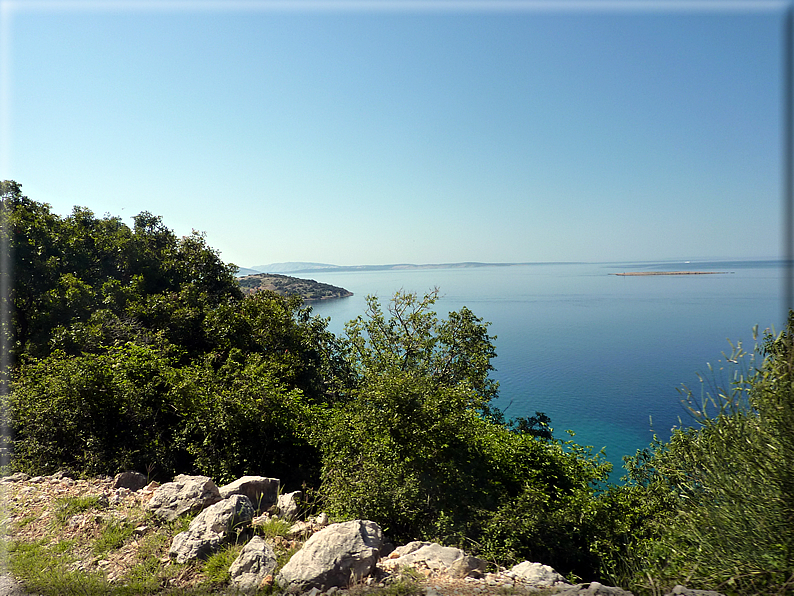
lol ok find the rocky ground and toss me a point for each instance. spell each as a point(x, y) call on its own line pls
point(67, 536)
point(73, 516)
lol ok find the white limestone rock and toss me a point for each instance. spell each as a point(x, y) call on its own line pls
point(335, 556)
point(537, 575)
point(261, 491)
point(186, 494)
point(255, 562)
point(439, 559)
point(287, 505)
point(211, 528)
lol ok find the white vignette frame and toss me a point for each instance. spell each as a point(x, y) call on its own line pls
point(8, 8)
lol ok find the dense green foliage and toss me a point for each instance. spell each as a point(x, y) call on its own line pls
point(135, 349)
point(419, 450)
point(82, 283)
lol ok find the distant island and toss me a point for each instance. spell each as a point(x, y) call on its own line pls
point(303, 267)
point(672, 273)
point(284, 285)
point(297, 267)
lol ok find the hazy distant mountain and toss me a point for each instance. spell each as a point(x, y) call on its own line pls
point(291, 267)
point(303, 267)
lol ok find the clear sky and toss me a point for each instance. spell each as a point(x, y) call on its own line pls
point(419, 132)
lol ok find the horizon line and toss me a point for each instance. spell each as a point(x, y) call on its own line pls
point(329, 266)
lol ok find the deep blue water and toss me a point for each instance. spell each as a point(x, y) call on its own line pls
point(602, 355)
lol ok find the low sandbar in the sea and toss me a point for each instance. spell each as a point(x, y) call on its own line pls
point(634, 273)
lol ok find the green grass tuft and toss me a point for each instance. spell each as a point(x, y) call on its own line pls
point(46, 570)
point(216, 567)
point(112, 536)
point(274, 528)
point(68, 506)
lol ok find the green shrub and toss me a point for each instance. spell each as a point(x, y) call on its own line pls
point(421, 451)
point(724, 488)
point(133, 408)
point(96, 413)
point(242, 420)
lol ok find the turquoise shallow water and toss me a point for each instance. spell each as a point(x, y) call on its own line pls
point(602, 355)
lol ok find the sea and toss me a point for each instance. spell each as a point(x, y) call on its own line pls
point(606, 357)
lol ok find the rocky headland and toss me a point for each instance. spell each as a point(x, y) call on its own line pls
point(284, 285)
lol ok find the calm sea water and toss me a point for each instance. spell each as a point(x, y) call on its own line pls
point(602, 355)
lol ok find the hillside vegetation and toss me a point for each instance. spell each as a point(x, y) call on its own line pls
point(135, 349)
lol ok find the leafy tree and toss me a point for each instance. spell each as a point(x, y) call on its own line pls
point(538, 425)
point(136, 348)
point(397, 449)
point(403, 454)
point(82, 281)
point(421, 450)
point(299, 350)
point(412, 340)
point(35, 259)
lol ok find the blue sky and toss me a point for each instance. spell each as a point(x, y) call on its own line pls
point(420, 132)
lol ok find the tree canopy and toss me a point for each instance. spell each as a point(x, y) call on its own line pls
point(137, 344)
